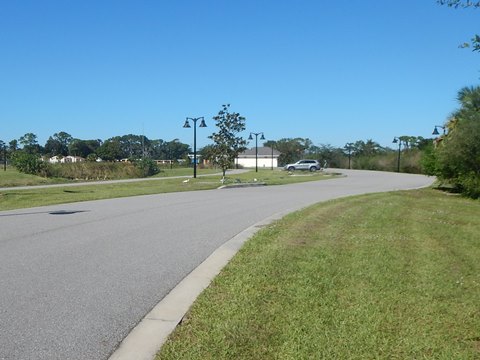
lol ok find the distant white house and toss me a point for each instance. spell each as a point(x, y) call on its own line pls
point(266, 158)
point(65, 159)
point(73, 159)
point(55, 159)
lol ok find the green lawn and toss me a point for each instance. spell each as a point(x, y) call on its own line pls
point(16, 199)
point(382, 276)
point(165, 171)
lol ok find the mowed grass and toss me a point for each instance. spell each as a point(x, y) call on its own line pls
point(17, 198)
point(382, 276)
point(165, 171)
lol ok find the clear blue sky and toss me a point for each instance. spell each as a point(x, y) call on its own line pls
point(332, 71)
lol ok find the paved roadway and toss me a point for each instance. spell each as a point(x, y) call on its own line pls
point(76, 278)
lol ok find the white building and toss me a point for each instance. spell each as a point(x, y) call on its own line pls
point(67, 159)
point(266, 158)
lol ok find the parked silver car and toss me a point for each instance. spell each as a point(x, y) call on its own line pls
point(311, 165)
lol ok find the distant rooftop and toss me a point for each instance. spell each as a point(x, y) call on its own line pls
point(262, 151)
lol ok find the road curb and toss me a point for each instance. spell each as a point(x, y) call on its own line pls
point(234, 186)
point(146, 339)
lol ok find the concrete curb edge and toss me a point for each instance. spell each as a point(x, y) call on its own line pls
point(146, 339)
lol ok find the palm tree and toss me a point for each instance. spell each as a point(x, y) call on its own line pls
point(469, 98)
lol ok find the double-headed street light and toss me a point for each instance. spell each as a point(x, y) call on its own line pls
point(399, 141)
point(256, 146)
point(187, 125)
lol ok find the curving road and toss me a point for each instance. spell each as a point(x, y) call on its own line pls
point(76, 278)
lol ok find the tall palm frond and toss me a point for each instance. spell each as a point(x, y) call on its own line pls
point(469, 98)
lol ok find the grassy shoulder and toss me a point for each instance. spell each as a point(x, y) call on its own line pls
point(12, 177)
point(393, 275)
point(17, 198)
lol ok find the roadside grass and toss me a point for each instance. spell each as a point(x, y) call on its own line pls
point(280, 177)
point(165, 171)
point(277, 177)
point(12, 177)
point(17, 198)
point(383, 276)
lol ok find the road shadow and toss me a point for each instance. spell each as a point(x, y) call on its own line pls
point(56, 212)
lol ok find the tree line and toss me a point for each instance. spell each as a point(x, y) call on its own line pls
point(226, 146)
point(115, 148)
point(366, 155)
point(27, 155)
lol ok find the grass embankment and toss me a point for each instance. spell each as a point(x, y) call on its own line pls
point(11, 177)
point(383, 276)
point(16, 199)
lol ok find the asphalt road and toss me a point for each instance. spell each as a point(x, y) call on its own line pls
point(76, 278)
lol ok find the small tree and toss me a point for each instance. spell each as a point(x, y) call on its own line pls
point(13, 145)
point(29, 163)
point(30, 143)
point(291, 149)
point(110, 150)
point(227, 144)
point(147, 166)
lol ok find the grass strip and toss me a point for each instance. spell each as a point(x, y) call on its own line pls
point(382, 276)
point(17, 199)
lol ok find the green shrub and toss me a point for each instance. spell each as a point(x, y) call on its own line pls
point(470, 185)
point(95, 171)
point(29, 163)
point(428, 161)
point(92, 157)
point(410, 162)
point(458, 157)
point(147, 167)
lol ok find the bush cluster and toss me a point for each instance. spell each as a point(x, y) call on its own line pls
point(33, 164)
point(29, 163)
point(410, 162)
point(456, 157)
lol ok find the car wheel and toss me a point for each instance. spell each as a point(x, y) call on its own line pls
point(313, 168)
point(291, 168)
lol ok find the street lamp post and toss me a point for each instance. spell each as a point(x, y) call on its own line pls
point(395, 141)
point(3, 148)
point(349, 148)
point(256, 146)
point(187, 125)
point(435, 130)
point(272, 155)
